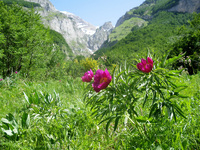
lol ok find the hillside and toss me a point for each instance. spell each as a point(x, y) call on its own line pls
point(22, 3)
point(139, 17)
point(158, 31)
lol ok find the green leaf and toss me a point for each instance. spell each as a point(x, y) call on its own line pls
point(6, 121)
point(180, 88)
point(104, 120)
point(180, 112)
point(145, 99)
point(108, 123)
point(174, 115)
point(25, 120)
point(8, 132)
point(116, 122)
point(117, 77)
point(26, 98)
point(162, 63)
point(153, 108)
point(172, 60)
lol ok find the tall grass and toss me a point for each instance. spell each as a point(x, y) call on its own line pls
point(53, 115)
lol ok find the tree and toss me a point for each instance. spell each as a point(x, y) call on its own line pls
point(25, 43)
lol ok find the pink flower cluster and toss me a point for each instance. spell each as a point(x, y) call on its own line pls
point(145, 65)
point(101, 79)
point(87, 76)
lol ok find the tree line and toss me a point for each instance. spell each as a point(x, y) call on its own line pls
point(26, 45)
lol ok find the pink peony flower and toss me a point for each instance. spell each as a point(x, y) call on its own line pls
point(101, 80)
point(87, 76)
point(145, 66)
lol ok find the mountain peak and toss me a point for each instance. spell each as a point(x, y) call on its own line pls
point(107, 26)
point(86, 27)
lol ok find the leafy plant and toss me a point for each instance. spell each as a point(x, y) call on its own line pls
point(188, 43)
point(12, 128)
point(130, 92)
point(89, 63)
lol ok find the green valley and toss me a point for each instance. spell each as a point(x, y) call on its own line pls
point(140, 90)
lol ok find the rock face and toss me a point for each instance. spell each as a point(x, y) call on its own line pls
point(100, 36)
point(75, 31)
point(78, 33)
point(188, 6)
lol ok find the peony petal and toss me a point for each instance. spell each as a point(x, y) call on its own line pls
point(91, 73)
point(107, 75)
point(139, 66)
point(149, 60)
point(95, 87)
point(87, 76)
point(101, 80)
point(148, 68)
point(143, 61)
point(103, 85)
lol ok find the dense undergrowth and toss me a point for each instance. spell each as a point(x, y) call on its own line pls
point(53, 115)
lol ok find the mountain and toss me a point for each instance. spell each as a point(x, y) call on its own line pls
point(100, 36)
point(153, 26)
point(141, 15)
point(79, 34)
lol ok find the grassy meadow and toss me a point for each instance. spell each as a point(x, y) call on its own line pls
point(54, 115)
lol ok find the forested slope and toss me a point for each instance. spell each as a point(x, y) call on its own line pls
point(160, 33)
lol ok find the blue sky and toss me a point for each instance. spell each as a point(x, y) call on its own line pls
point(97, 12)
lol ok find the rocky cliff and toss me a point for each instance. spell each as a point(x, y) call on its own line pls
point(188, 6)
point(100, 36)
point(79, 34)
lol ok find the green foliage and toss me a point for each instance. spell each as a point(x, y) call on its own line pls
point(26, 45)
point(60, 41)
point(151, 7)
point(157, 36)
point(26, 41)
point(70, 125)
point(132, 89)
point(164, 5)
point(89, 63)
point(124, 29)
point(21, 3)
point(188, 43)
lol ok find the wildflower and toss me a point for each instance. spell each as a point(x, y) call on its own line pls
point(145, 66)
point(1, 79)
point(16, 72)
point(87, 76)
point(101, 80)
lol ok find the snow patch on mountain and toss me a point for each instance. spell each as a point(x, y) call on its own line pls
point(86, 27)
